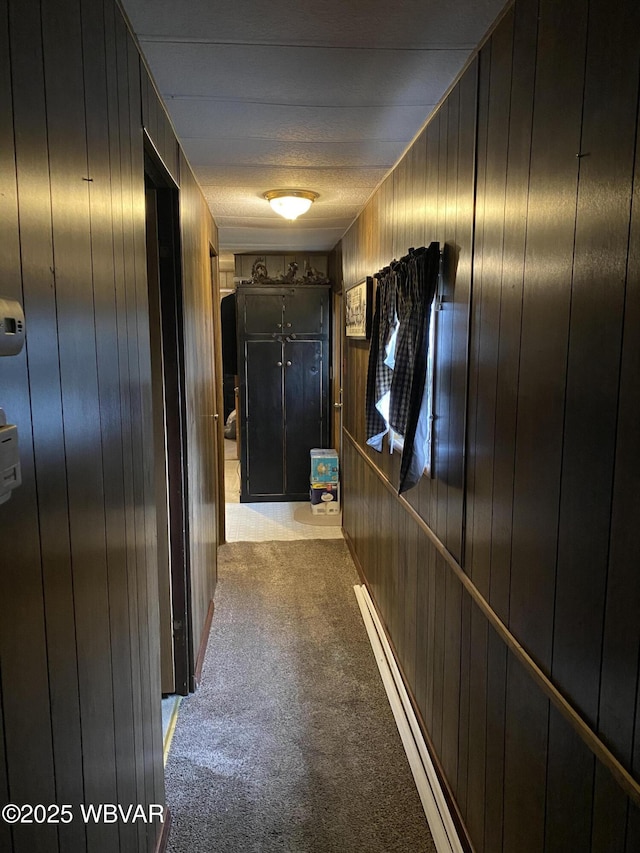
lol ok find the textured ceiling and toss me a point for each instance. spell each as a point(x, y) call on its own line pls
point(324, 95)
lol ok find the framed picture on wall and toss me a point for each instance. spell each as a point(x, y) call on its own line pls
point(357, 310)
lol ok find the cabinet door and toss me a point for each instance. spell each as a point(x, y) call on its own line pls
point(305, 403)
point(305, 311)
point(262, 313)
point(264, 418)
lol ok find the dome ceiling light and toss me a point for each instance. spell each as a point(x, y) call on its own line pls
point(290, 203)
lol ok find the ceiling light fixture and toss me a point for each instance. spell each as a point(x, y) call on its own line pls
point(290, 203)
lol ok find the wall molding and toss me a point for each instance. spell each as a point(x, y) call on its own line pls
point(624, 779)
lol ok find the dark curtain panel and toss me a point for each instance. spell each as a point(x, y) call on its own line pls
point(379, 374)
point(397, 367)
point(408, 409)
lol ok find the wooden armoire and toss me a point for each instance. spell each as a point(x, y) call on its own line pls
point(283, 363)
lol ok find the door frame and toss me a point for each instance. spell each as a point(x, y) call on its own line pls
point(170, 331)
point(218, 421)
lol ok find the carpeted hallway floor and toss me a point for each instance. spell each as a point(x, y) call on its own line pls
point(290, 744)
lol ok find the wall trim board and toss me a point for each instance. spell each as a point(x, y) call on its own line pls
point(163, 838)
point(454, 811)
point(624, 779)
point(204, 639)
point(148, 141)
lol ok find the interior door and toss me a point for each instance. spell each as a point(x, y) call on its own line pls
point(167, 343)
point(262, 444)
point(218, 416)
point(305, 401)
point(161, 472)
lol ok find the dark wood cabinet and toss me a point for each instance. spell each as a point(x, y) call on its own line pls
point(283, 355)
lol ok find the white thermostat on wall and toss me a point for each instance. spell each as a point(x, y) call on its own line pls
point(12, 327)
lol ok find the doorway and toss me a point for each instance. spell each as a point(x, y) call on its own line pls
point(169, 425)
point(230, 464)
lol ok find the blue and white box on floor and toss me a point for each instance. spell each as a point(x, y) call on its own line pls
point(325, 482)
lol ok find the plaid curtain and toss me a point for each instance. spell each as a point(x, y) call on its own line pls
point(407, 413)
point(379, 372)
point(398, 358)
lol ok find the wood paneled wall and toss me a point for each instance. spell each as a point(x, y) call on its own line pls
point(79, 659)
point(528, 176)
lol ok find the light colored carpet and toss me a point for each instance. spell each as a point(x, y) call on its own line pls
point(290, 744)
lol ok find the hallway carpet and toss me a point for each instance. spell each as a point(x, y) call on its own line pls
point(290, 744)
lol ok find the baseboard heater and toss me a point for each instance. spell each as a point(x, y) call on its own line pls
point(441, 824)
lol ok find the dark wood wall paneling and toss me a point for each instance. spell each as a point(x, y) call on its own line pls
point(604, 319)
point(79, 679)
point(487, 658)
point(535, 201)
point(28, 734)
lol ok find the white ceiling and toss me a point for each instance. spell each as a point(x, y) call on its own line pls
point(324, 95)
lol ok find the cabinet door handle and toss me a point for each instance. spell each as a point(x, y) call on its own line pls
point(278, 364)
point(278, 325)
point(288, 325)
point(288, 364)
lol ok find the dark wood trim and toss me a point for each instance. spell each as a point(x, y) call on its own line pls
point(451, 800)
point(204, 639)
point(163, 838)
point(158, 171)
point(626, 781)
point(169, 250)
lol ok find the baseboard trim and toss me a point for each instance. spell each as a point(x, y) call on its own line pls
point(433, 798)
point(202, 650)
point(163, 838)
point(462, 832)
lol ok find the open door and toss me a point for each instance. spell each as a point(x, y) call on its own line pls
point(169, 419)
point(161, 473)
